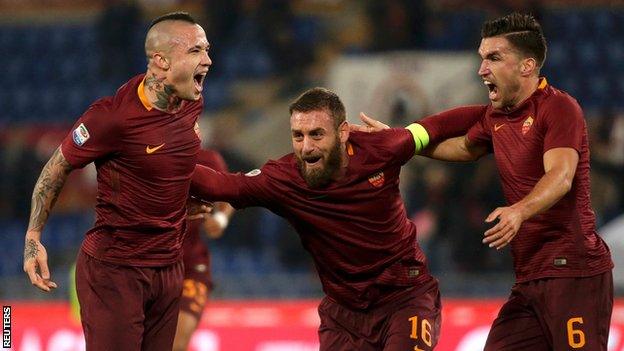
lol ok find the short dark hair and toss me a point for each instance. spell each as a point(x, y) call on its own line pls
point(173, 16)
point(522, 31)
point(316, 99)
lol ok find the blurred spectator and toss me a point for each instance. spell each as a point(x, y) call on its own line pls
point(116, 28)
point(398, 24)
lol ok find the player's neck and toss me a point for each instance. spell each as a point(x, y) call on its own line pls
point(160, 93)
point(527, 88)
point(344, 163)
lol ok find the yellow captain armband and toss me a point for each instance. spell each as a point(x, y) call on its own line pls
point(421, 137)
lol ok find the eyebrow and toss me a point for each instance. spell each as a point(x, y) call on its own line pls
point(315, 130)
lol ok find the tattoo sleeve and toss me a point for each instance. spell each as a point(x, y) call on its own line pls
point(47, 190)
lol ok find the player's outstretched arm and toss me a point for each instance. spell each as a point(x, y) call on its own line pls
point(458, 149)
point(559, 167)
point(45, 194)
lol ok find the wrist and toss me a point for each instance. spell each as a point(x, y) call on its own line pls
point(33, 234)
point(221, 218)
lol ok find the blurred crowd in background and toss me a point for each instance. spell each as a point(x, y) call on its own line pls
point(266, 52)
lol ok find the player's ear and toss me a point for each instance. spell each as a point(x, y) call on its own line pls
point(161, 61)
point(528, 66)
point(343, 132)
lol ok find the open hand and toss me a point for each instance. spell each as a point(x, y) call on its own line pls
point(509, 221)
point(36, 265)
point(370, 125)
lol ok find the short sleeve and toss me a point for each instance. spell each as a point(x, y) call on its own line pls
point(479, 133)
point(395, 145)
point(95, 135)
point(563, 124)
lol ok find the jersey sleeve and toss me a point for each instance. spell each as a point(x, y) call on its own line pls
point(480, 133)
point(212, 159)
point(240, 190)
point(452, 123)
point(95, 135)
point(563, 124)
point(394, 145)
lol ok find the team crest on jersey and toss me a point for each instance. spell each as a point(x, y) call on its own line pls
point(81, 135)
point(377, 179)
point(253, 173)
point(526, 126)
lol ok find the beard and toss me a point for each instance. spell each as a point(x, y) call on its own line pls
point(321, 177)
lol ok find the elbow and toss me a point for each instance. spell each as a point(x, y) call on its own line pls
point(566, 185)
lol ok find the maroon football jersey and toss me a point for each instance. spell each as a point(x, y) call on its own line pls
point(144, 160)
point(196, 254)
point(356, 229)
point(562, 241)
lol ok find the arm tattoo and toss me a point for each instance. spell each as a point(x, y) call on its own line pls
point(166, 99)
point(47, 189)
point(30, 250)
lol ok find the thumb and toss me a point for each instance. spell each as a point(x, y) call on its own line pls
point(493, 215)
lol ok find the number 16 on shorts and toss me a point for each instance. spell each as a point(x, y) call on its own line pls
point(421, 329)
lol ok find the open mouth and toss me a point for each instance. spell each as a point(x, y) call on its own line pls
point(199, 81)
point(312, 160)
point(493, 89)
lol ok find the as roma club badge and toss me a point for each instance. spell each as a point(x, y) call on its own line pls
point(526, 126)
point(377, 179)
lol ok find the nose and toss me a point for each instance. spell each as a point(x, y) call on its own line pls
point(484, 69)
point(206, 60)
point(308, 146)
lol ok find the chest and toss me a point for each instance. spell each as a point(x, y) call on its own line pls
point(518, 144)
point(161, 146)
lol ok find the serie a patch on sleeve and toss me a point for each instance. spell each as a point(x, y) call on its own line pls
point(81, 135)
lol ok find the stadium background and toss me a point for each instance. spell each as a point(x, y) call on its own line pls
point(397, 60)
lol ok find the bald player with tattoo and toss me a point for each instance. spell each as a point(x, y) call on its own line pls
point(144, 145)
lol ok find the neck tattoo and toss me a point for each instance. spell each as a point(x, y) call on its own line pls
point(165, 97)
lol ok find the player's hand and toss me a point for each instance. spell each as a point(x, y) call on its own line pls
point(370, 125)
point(36, 265)
point(197, 209)
point(509, 221)
point(214, 229)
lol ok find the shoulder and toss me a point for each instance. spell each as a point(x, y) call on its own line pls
point(555, 99)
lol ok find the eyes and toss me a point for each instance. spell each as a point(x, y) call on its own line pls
point(316, 134)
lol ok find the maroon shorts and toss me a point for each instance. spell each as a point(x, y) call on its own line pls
point(197, 285)
point(125, 307)
point(410, 322)
point(555, 314)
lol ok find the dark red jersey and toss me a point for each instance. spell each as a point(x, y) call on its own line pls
point(356, 229)
point(196, 255)
point(562, 241)
point(144, 160)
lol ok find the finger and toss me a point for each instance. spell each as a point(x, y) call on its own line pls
point(39, 283)
point(50, 284)
point(356, 128)
point(493, 215)
point(503, 240)
point(43, 267)
point(494, 230)
point(195, 216)
point(29, 268)
point(373, 123)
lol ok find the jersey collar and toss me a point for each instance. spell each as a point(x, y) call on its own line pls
point(141, 93)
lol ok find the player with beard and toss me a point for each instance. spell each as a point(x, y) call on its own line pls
point(563, 295)
point(340, 191)
point(144, 146)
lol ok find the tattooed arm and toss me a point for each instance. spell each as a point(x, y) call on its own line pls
point(47, 190)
